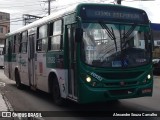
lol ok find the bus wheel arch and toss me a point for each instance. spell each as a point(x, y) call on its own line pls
point(54, 89)
point(17, 79)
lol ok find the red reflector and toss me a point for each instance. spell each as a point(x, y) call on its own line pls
point(147, 91)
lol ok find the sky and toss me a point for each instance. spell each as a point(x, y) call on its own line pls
point(17, 8)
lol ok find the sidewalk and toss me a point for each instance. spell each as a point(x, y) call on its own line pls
point(4, 108)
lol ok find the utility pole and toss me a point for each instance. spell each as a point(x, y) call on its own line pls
point(27, 18)
point(49, 7)
point(119, 2)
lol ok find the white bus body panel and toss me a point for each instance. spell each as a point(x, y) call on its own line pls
point(42, 75)
point(23, 69)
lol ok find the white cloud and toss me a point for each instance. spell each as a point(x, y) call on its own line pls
point(10, 11)
point(151, 7)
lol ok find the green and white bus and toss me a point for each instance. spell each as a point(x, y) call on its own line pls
point(88, 53)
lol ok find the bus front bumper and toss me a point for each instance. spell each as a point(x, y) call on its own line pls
point(90, 94)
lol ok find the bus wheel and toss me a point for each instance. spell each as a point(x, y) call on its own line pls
point(58, 100)
point(114, 102)
point(18, 81)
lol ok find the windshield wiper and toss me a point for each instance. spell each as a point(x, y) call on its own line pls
point(127, 34)
point(110, 33)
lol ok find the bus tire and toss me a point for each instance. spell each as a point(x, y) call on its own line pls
point(114, 102)
point(18, 80)
point(56, 94)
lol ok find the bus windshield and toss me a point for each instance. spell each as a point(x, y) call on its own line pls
point(115, 45)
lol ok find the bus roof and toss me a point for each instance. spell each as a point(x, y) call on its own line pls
point(60, 13)
point(45, 19)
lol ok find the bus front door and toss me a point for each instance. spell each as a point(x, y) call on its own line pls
point(31, 63)
point(72, 81)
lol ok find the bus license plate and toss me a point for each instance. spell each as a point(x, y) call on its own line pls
point(116, 64)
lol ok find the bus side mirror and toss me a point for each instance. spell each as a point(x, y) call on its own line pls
point(79, 34)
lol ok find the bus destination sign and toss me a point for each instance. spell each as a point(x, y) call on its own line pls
point(116, 14)
point(113, 14)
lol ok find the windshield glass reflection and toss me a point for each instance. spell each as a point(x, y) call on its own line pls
point(115, 45)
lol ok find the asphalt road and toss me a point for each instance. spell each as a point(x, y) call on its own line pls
point(28, 100)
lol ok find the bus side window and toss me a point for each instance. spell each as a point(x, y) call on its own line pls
point(23, 42)
point(50, 33)
point(16, 43)
point(55, 40)
point(42, 40)
point(39, 45)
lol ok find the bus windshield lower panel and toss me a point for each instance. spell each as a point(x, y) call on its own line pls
point(115, 45)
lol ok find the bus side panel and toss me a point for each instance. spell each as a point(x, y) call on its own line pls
point(43, 70)
point(62, 76)
point(24, 68)
point(7, 58)
point(40, 71)
point(63, 82)
point(55, 65)
point(6, 65)
point(13, 65)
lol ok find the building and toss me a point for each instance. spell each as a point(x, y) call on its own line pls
point(156, 36)
point(4, 26)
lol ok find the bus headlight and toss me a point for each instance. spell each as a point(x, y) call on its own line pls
point(149, 76)
point(147, 79)
point(88, 79)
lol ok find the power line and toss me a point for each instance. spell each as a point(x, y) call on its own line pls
point(49, 5)
point(29, 13)
point(29, 5)
point(20, 6)
point(20, 2)
point(59, 8)
point(15, 20)
point(65, 6)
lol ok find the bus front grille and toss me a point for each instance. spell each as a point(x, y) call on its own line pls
point(120, 75)
point(118, 84)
